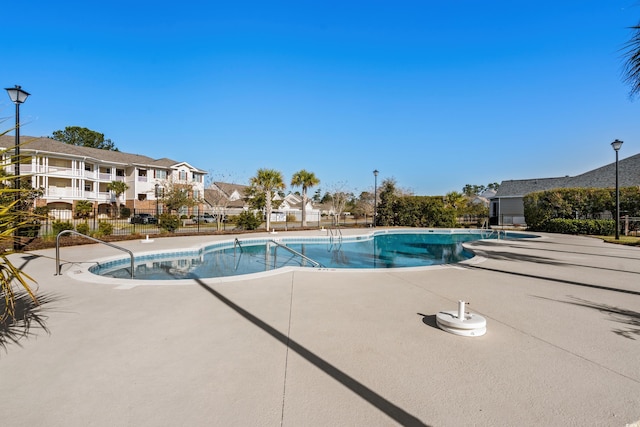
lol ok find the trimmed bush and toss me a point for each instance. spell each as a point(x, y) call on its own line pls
point(59, 226)
point(248, 220)
point(169, 222)
point(291, 218)
point(600, 227)
point(105, 228)
point(83, 228)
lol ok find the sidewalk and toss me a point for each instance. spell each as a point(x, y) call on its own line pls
point(338, 348)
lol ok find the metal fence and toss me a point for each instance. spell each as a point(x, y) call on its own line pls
point(129, 225)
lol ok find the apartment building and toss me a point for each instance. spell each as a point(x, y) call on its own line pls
point(70, 173)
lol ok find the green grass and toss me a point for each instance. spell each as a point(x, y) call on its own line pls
point(624, 240)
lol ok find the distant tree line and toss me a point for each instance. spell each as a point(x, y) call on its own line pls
point(76, 135)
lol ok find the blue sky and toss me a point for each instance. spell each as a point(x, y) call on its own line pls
point(435, 94)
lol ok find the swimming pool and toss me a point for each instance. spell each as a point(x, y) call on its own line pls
point(383, 249)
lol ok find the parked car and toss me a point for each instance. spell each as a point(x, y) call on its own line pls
point(144, 218)
point(207, 217)
point(204, 218)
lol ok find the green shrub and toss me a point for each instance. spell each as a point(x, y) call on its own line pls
point(291, 218)
point(105, 228)
point(169, 222)
point(600, 227)
point(59, 226)
point(577, 203)
point(125, 212)
point(83, 228)
point(248, 220)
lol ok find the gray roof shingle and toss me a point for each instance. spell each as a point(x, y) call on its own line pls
point(48, 145)
point(603, 177)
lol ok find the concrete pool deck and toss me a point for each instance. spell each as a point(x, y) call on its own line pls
point(337, 348)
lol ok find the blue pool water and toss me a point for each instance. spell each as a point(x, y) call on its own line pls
point(380, 250)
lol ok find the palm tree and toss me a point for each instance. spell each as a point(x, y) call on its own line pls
point(631, 71)
point(13, 217)
point(305, 180)
point(118, 188)
point(267, 181)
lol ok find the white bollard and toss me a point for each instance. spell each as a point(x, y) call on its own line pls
point(461, 310)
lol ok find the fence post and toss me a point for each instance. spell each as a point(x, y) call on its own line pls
point(626, 225)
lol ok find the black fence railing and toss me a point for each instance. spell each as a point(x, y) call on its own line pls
point(142, 221)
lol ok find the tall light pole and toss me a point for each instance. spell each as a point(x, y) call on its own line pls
point(375, 196)
point(157, 196)
point(18, 96)
point(616, 147)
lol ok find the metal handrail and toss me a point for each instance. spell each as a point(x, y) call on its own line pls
point(317, 264)
point(237, 243)
point(58, 266)
point(338, 234)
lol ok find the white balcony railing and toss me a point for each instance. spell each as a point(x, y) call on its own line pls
point(60, 192)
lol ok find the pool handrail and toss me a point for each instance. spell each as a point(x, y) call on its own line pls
point(58, 266)
point(293, 251)
point(236, 242)
point(338, 234)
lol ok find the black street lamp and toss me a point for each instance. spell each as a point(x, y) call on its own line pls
point(157, 197)
point(18, 96)
point(375, 196)
point(616, 147)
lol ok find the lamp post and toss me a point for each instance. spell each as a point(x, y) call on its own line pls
point(17, 96)
point(375, 196)
point(616, 147)
point(157, 196)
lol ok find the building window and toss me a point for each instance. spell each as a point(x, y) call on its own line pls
point(142, 196)
point(87, 186)
point(161, 174)
point(183, 175)
point(119, 172)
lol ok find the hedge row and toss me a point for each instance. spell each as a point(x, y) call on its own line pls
point(600, 227)
point(583, 204)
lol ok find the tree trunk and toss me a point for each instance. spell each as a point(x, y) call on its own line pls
point(267, 206)
point(304, 207)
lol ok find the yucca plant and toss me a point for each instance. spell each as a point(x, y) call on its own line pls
point(13, 217)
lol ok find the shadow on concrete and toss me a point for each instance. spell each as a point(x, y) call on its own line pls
point(551, 279)
point(391, 410)
point(492, 252)
point(616, 314)
point(27, 315)
point(510, 256)
point(429, 320)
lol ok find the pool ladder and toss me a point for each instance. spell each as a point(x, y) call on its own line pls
point(337, 235)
